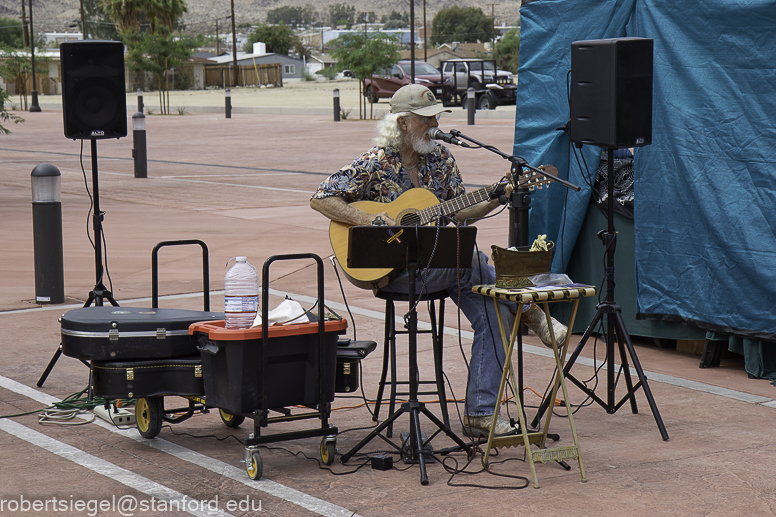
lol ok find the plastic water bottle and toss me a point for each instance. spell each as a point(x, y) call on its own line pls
point(241, 294)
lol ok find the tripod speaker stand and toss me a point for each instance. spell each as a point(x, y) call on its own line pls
point(615, 333)
point(99, 292)
point(411, 248)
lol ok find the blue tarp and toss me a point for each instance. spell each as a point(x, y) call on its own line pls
point(705, 190)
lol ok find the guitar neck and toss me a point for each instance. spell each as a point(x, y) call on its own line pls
point(454, 205)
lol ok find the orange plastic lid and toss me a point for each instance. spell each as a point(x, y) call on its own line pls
point(217, 331)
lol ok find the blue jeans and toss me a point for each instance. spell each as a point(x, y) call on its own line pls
point(487, 355)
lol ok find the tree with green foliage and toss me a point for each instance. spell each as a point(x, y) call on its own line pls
point(464, 24)
point(98, 24)
point(279, 38)
point(16, 66)
point(366, 17)
point(364, 55)
point(342, 14)
point(506, 51)
point(292, 16)
point(159, 53)
point(164, 13)
point(4, 115)
point(396, 16)
point(11, 32)
point(125, 14)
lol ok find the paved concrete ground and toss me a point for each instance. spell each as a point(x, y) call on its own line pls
point(242, 186)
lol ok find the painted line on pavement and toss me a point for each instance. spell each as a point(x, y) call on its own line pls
point(128, 478)
point(219, 467)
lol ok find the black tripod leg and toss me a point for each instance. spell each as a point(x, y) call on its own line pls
point(450, 434)
point(417, 439)
point(572, 359)
point(622, 336)
point(643, 379)
point(375, 432)
point(50, 366)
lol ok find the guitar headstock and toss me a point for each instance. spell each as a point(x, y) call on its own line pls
point(533, 179)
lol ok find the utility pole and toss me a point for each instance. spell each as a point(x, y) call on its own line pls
point(425, 34)
point(218, 47)
point(83, 22)
point(492, 26)
point(236, 72)
point(412, 41)
point(24, 25)
point(34, 107)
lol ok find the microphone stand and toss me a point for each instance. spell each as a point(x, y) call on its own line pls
point(520, 200)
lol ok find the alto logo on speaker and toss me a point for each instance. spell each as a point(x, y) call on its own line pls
point(94, 99)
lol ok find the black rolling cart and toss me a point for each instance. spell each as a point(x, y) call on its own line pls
point(250, 373)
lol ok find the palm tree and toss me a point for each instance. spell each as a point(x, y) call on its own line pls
point(124, 13)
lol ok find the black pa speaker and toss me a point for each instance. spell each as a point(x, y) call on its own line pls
point(94, 99)
point(611, 92)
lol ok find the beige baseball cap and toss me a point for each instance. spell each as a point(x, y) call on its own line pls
point(416, 99)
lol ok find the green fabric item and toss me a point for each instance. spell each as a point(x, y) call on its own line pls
point(759, 356)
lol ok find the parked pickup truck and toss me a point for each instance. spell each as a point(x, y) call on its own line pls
point(492, 86)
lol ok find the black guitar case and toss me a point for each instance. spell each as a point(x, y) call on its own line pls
point(180, 376)
point(109, 333)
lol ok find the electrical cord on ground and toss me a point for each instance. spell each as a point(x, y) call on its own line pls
point(455, 471)
point(65, 411)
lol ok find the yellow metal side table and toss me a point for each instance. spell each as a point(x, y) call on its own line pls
point(542, 297)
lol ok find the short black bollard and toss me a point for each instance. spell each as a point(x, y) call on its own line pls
point(47, 234)
point(336, 105)
point(139, 152)
point(228, 100)
point(140, 106)
point(471, 106)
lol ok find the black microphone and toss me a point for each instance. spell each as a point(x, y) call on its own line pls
point(437, 134)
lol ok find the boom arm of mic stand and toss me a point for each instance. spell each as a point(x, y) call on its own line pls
point(516, 160)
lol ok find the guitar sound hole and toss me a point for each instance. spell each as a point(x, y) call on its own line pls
point(412, 219)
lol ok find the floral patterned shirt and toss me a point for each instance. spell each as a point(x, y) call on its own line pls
point(379, 175)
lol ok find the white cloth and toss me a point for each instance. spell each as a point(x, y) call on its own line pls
point(288, 312)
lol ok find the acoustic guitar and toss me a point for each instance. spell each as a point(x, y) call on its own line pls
point(415, 207)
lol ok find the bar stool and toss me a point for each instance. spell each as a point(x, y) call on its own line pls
point(389, 351)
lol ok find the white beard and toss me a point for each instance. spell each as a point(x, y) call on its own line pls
point(421, 143)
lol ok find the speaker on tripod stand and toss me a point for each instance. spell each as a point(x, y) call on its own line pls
point(94, 107)
point(611, 107)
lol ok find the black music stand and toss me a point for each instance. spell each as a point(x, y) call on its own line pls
point(411, 248)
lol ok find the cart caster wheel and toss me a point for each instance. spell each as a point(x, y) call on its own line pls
point(149, 414)
point(254, 465)
point(229, 419)
point(328, 449)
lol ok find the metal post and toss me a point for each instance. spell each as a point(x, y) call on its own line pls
point(228, 100)
point(47, 234)
point(471, 103)
point(34, 107)
point(336, 105)
point(139, 151)
point(140, 106)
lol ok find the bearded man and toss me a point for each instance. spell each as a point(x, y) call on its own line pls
point(405, 157)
